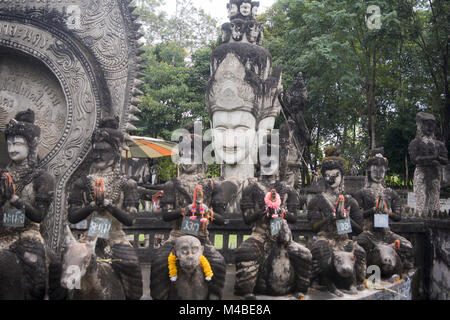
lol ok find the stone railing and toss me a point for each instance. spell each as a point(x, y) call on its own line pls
point(150, 231)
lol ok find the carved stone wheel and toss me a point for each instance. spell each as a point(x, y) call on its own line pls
point(73, 62)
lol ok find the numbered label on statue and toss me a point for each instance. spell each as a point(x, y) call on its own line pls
point(82, 225)
point(14, 218)
point(191, 227)
point(381, 221)
point(275, 226)
point(100, 227)
point(344, 226)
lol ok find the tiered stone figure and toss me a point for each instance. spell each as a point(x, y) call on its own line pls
point(26, 194)
point(242, 94)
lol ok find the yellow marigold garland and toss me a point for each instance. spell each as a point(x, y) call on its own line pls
point(206, 268)
point(173, 271)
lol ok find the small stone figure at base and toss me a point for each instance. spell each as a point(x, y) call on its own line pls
point(26, 194)
point(338, 262)
point(110, 200)
point(390, 251)
point(85, 276)
point(429, 155)
point(189, 270)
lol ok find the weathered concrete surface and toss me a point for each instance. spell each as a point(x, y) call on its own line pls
point(440, 271)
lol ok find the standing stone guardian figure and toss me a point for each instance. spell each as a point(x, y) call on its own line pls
point(26, 194)
point(109, 199)
point(429, 155)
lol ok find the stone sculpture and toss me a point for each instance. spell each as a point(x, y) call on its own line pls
point(26, 195)
point(190, 196)
point(242, 93)
point(338, 262)
point(429, 155)
point(269, 259)
point(85, 276)
point(190, 270)
point(294, 132)
point(109, 199)
point(381, 205)
point(72, 62)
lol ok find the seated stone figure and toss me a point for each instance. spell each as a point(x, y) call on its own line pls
point(338, 262)
point(109, 199)
point(190, 196)
point(429, 155)
point(385, 203)
point(189, 270)
point(26, 194)
point(265, 203)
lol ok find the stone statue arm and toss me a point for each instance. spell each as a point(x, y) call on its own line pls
point(443, 154)
point(78, 209)
point(250, 211)
point(365, 212)
point(356, 217)
point(316, 217)
point(218, 219)
point(396, 207)
point(418, 157)
point(168, 203)
point(293, 205)
point(43, 187)
point(127, 214)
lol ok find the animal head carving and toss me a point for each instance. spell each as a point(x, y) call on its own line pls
point(77, 258)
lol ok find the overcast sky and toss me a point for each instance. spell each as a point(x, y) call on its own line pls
point(216, 8)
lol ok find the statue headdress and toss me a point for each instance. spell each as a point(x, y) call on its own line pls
point(376, 158)
point(23, 125)
point(242, 77)
point(108, 131)
point(333, 160)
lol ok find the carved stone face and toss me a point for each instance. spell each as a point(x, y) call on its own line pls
point(236, 31)
point(377, 173)
point(234, 136)
point(246, 9)
point(428, 127)
point(232, 11)
point(333, 178)
point(104, 155)
point(188, 250)
point(387, 258)
point(255, 11)
point(18, 148)
point(252, 32)
point(344, 262)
